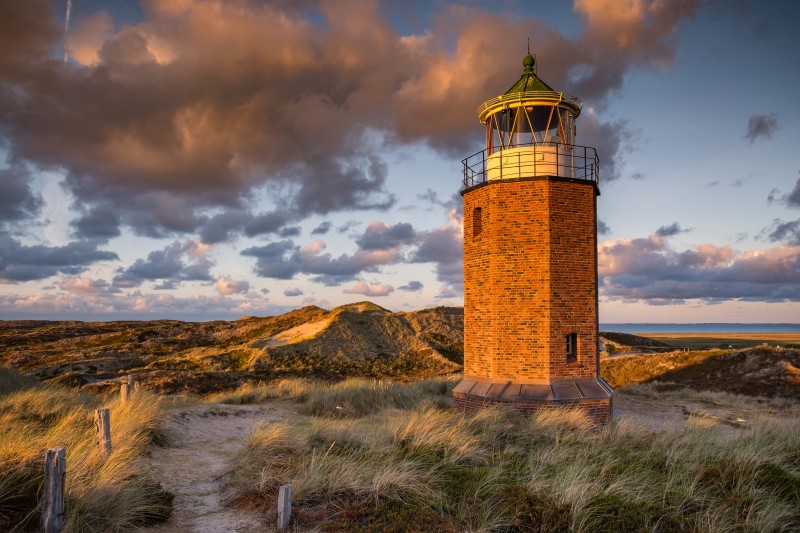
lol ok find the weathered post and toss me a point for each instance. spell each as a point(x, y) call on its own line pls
point(129, 385)
point(284, 506)
point(102, 427)
point(55, 471)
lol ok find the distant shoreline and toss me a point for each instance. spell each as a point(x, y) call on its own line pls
point(698, 328)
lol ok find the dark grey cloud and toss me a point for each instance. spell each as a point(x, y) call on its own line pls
point(381, 236)
point(602, 228)
point(671, 230)
point(270, 222)
point(169, 123)
point(223, 226)
point(290, 231)
point(19, 262)
point(443, 246)
point(773, 195)
point(293, 292)
point(323, 228)
point(793, 198)
point(175, 263)
point(787, 232)
point(101, 221)
point(284, 260)
point(761, 127)
point(17, 201)
point(411, 286)
point(648, 269)
point(347, 226)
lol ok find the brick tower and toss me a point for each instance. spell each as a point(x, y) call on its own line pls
point(530, 258)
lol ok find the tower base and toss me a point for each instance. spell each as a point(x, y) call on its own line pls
point(593, 397)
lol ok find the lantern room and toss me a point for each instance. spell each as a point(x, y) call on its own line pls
point(530, 131)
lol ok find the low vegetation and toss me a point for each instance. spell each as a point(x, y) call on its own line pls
point(761, 371)
point(102, 494)
point(376, 456)
point(704, 341)
point(169, 356)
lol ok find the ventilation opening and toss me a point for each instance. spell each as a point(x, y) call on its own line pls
point(572, 347)
point(477, 221)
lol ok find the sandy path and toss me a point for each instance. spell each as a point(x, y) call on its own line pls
point(203, 439)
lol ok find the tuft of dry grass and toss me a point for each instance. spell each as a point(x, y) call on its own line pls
point(102, 494)
point(395, 461)
point(295, 388)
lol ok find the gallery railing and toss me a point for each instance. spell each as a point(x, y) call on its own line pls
point(531, 160)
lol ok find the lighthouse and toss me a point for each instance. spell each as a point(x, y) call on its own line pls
point(530, 258)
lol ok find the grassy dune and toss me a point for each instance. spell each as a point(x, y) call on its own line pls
point(102, 494)
point(375, 456)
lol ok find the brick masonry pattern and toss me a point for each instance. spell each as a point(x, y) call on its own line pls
point(530, 279)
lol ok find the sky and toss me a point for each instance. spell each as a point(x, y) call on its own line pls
point(212, 159)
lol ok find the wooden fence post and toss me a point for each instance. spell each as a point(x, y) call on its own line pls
point(129, 385)
point(55, 471)
point(102, 427)
point(284, 506)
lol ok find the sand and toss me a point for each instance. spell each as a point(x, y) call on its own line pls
point(194, 465)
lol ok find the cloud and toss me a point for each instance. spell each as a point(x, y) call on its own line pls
point(371, 289)
point(773, 195)
point(411, 286)
point(787, 232)
point(19, 262)
point(647, 269)
point(761, 127)
point(323, 228)
point(381, 236)
point(432, 197)
point(443, 246)
point(293, 292)
point(793, 198)
point(81, 306)
point(227, 286)
point(284, 259)
point(100, 221)
point(671, 230)
point(602, 228)
point(17, 202)
point(187, 261)
point(88, 287)
point(181, 120)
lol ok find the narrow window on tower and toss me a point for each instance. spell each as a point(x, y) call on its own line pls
point(477, 222)
point(572, 347)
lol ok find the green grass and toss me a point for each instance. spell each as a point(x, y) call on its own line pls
point(11, 381)
point(377, 456)
point(102, 494)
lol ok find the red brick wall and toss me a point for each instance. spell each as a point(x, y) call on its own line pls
point(598, 411)
point(529, 279)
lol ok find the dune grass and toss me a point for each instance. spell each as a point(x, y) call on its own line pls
point(376, 456)
point(102, 494)
point(347, 398)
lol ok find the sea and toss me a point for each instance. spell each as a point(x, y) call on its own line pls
point(716, 327)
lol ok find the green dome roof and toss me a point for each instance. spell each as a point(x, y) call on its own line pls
point(529, 81)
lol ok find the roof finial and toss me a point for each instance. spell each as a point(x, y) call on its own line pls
point(528, 61)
